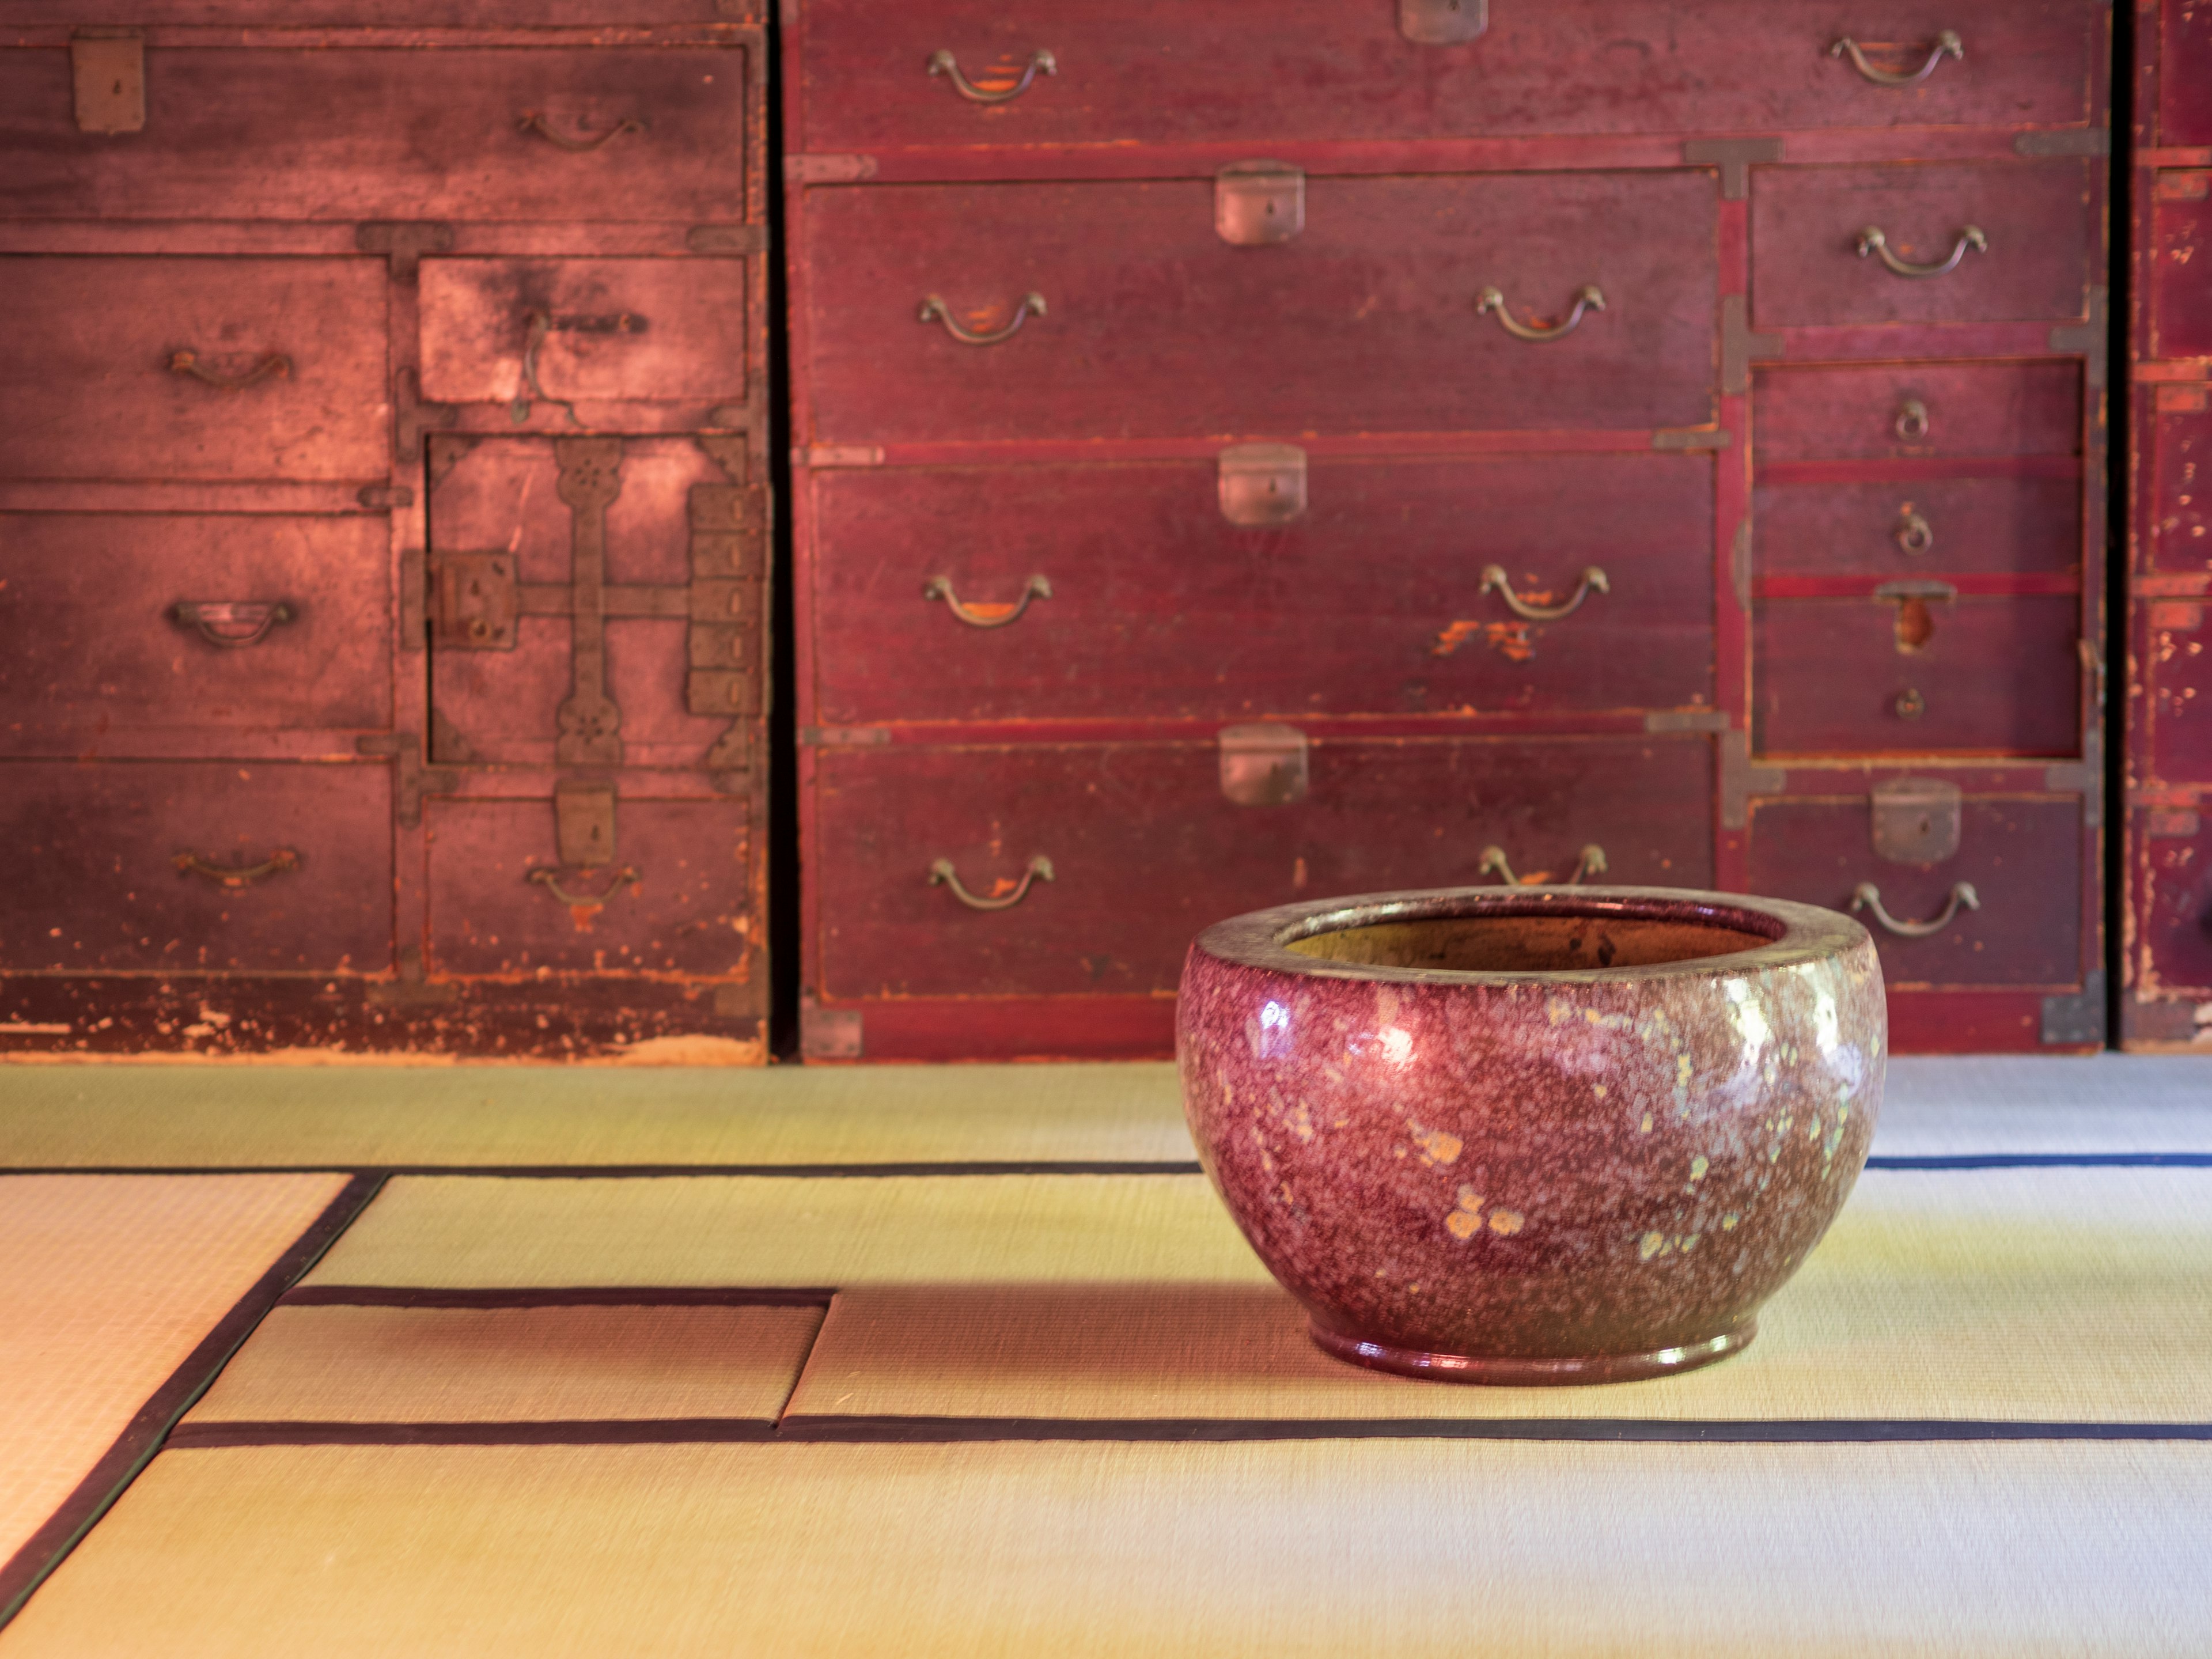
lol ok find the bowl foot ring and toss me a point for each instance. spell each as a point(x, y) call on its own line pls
point(1518, 1371)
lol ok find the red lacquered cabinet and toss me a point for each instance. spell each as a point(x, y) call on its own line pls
point(2166, 988)
point(384, 528)
point(1247, 453)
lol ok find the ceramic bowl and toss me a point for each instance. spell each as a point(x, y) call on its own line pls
point(1533, 1135)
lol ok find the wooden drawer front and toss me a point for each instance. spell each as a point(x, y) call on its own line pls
point(677, 899)
point(1155, 326)
point(170, 623)
point(2181, 252)
point(1370, 601)
point(1920, 527)
point(332, 133)
point(1161, 72)
point(1146, 850)
point(2180, 443)
point(2175, 688)
point(2185, 74)
point(103, 378)
point(1918, 411)
point(2020, 854)
point(642, 330)
point(2037, 217)
point(99, 886)
point(1996, 676)
point(2176, 913)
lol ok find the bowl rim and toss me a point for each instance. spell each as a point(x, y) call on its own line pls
point(1260, 939)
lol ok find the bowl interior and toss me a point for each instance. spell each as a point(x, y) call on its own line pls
point(1559, 940)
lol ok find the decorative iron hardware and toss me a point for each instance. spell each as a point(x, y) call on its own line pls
point(231, 624)
point(274, 367)
point(234, 876)
point(584, 822)
point(829, 1033)
point(1914, 533)
point(944, 64)
point(107, 72)
point(1915, 624)
point(1909, 704)
point(1587, 298)
point(1590, 861)
point(942, 874)
point(1911, 421)
point(1441, 22)
point(1916, 820)
point(1868, 897)
point(934, 310)
point(1259, 203)
point(1259, 484)
point(1948, 44)
point(549, 879)
point(1594, 580)
point(986, 615)
point(1873, 241)
point(1263, 765)
point(538, 326)
point(531, 120)
point(589, 723)
point(478, 601)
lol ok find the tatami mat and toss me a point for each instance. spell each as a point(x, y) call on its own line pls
point(2045, 1295)
point(357, 1364)
point(107, 1284)
point(1278, 1550)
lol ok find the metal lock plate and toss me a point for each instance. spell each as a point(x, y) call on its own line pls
point(1443, 22)
point(478, 601)
point(108, 68)
point(1258, 204)
point(1916, 820)
point(1262, 483)
point(1263, 765)
point(584, 822)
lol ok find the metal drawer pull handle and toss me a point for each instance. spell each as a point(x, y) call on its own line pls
point(549, 879)
point(1912, 421)
point(1589, 862)
point(274, 367)
point(235, 875)
point(986, 615)
point(1948, 44)
point(1914, 533)
point(942, 874)
point(1867, 896)
point(1871, 240)
point(1593, 581)
point(1587, 298)
point(231, 624)
point(944, 64)
point(934, 310)
point(540, 324)
point(532, 121)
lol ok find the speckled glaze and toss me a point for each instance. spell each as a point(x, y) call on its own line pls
point(1533, 1174)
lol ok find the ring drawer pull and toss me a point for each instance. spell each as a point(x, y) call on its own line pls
point(538, 326)
point(1590, 861)
point(1593, 581)
point(1914, 533)
point(274, 367)
point(986, 615)
point(236, 875)
point(934, 310)
point(1948, 44)
point(1867, 896)
point(1587, 298)
point(232, 625)
point(944, 64)
point(1871, 240)
point(942, 874)
point(549, 879)
point(1912, 421)
point(1909, 704)
point(532, 121)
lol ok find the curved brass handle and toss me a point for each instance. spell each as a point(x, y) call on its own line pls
point(1914, 533)
point(933, 309)
point(944, 64)
point(1912, 421)
point(1593, 581)
point(1587, 298)
point(274, 367)
point(986, 615)
point(1871, 240)
point(1948, 44)
point(549, 879)
point(232, 625)
point(237, 875)
point(532, 121)
point(1591, 861)
point(942, 874)
point(1867, 896)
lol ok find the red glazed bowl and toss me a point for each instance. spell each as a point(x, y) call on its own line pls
point(1531, 1135)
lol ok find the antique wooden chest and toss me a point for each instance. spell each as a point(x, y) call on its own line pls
point(1250, 451)
point(384, 507)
